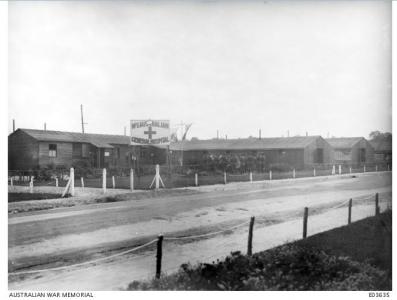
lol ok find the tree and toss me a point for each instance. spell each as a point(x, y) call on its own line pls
point(380, 136)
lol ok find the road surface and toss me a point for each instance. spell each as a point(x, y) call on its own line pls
point(64, 236)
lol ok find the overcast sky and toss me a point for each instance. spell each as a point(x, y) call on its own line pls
point(300, 66)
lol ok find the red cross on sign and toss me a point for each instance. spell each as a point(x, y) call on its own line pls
point(150, 132)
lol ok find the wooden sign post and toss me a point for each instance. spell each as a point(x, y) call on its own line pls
point(104, 180)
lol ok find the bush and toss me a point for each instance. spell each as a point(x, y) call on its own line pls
point(288, 267)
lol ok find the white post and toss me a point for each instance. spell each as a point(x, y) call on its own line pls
point(82, 182)
point(251, 177)
point(333, 170)
point(56, 181)
point(376, 168)
point(196, 179)
point(113, 182)
point(224, 177)
point(340, 169)
point(293, 173)
point(72, 181)
point(270, 175)
point(12, 181)
point(157, 177)
point(364, 168)
point(104, 180)
point(31, 185)
point(350, 170)
point(131, 180)
point(314, 172)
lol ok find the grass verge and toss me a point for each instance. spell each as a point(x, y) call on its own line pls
point(354, 257)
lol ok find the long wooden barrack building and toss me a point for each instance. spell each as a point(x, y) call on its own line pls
point(281, 152)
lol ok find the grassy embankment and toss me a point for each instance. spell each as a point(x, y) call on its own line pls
point(354, 257)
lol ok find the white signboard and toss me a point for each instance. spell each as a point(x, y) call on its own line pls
point(150, 132)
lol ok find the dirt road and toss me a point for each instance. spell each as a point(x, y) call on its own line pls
point(75, 234)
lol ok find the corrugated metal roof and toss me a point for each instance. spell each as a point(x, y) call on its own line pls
point(384, 145)
point(344, 142)
point(297, 142)
point(98, 140)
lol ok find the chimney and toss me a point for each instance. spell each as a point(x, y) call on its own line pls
point(260, 133)
point(13, 125)
point(45, 127)
point(125, 131)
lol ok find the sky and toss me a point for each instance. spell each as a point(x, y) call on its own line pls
point(237, 67)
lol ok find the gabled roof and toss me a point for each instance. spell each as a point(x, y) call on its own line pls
point(98, 140)
point(298, 142)
point(344, 142)
point(383, 145)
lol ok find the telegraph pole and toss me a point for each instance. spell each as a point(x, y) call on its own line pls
point(82, 119)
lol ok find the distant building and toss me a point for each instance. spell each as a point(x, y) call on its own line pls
point(36, 149)
point(352, 150)
point(281, 152)
point(383, 151)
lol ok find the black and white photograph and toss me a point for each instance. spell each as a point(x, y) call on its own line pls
point(199, 145)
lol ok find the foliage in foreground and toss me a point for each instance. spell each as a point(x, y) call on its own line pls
point(289, 267)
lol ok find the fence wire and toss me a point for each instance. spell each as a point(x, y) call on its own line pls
point(166, 238)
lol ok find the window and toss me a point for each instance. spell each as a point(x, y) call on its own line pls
point(106, 153)
point(85, 150)
point(319, 159)
point(77, 150)
point(117, 153)
point(362, 155)
point(52, 150)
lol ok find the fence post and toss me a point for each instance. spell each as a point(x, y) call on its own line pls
point(12, 181)
point(196, 179)
point(250, 232)
point(340, 169)
point(31, 185)
point(104, 180)
point(333, 170)
point(56, 182)
point(72, 181)
point(376, 204)
point(314, 172)
point(224, 177)
point(82, 182)
point(364, 168)
point(349, 217)
point(157, 180)
point(305, 216)
point(293, 173)
point(131, 180)
point(270, 175)
point(251, 177)
point(113, 182)
point(376, 168)
point(350, 170)
point(159, 255)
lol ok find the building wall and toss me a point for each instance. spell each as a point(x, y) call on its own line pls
point(351, 156)
point(64, 157)
point(269, 159)
point(22, 151)
point(311, 154)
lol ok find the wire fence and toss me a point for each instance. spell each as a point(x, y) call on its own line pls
point(161, 238)
point(121, 179)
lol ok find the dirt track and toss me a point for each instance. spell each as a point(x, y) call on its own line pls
point(39, 236)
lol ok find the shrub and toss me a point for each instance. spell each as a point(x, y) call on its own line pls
point(288, 267)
